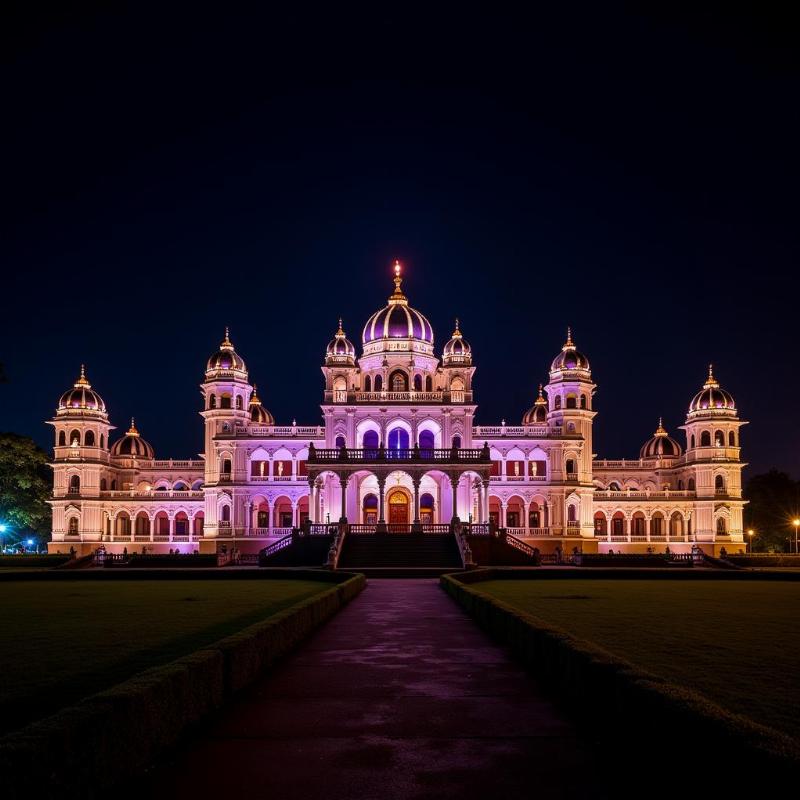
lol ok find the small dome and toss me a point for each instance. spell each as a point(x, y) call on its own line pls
point(340, 348)
point(397, 320)
point(258, 413)
point(81, 397)
point(711, 397)
point(537, 413)
point(570, 358)
point(457, 349)
point(661, 445)
point(131, 445)
point(226, 358)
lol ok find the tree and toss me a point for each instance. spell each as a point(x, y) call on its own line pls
point(25, 486)
point(774, 501)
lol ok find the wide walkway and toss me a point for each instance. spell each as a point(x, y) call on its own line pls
point(401, 695)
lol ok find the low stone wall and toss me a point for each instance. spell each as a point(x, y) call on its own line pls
point(84, 750)
point(619, 702)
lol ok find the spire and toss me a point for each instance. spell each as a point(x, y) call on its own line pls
point(569, 344)
point(255, 400)
point(82, 379)
point(398, 295)
point(457, 331)
point(340, 332)
point(540, 401)
point(132, 430)
point(660, 430)
point(226, 342)
point(711, 381)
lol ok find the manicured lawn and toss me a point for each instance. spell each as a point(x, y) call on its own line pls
point(738, 643)
point(62, 641)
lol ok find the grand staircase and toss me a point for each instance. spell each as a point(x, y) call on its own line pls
point(400, 554)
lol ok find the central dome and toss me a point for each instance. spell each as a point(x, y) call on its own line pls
point(397, 319)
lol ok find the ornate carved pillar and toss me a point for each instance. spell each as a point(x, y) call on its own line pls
point(417, 525)
point(344, 479)
point(454, 482)
point(381, 500)
point(485, 501)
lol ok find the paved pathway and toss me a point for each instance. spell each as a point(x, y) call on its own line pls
point(401, 695)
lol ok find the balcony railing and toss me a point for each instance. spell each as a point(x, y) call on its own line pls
point(399, 397)
point(345, 455)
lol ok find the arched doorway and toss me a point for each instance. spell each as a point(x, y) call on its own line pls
point(426, 508)
point(398, 508)
point(370, 509)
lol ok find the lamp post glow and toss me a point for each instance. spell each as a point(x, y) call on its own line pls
point(796, 523)
point(750, 533)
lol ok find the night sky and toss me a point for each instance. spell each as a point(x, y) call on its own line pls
point(633, 176)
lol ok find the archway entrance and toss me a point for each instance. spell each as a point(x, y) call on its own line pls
point(398, 508)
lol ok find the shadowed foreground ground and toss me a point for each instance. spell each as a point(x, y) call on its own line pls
point(399, 696)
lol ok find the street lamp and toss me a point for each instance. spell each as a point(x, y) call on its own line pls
point(3, 529)
point(750, 533)
point(796, 523)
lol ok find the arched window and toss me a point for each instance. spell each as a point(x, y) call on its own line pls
point(398, 381)
point(428, 384)
point(722, 529)
point(74, 484)
point(226, 467)
point(226, 513)
point(88, 439)
point(180, 486)
point(572, 513)
point(142, 524)
point(238, 402)
point(426, 443)
point(102, 440)
point(534, 516)
point(72, 530)
point(426, 507)
point(370, 509)
point(367, 384)
point(418, 383)
point(719, 484)
point(613, 487)
point(225, 401)
point(103, 484)
point(62, 439)
point(657, 525)
point(457, 441)
point(572, 401)
point(719, 439)
point(583, 401)
point(378, 383)
point(123, 524)
point(680, 485)
point(398, 439)
point(705, 439)
point(340, 441)
point(731, 439)
point(212, 401)
point(557, 402)
point(692, 441)
point(570, 427)
point(75, 438)
point(570, 466)
point(690, 485)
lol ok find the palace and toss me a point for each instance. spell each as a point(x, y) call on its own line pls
point(398, 451)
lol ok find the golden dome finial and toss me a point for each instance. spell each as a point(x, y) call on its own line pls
point(540, 398)
point(457, 331)
point(711, 381)
point(255, 400)
point(340, 332)
point(569, 343)
point(132, 430)
point(226, 342)
point(660, 430)
point(398, 280)
point(82, 379)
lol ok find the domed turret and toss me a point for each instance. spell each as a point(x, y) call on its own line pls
point(131, 445)
point(712, 399)
point(537, 413)
point(340, 349)
point(226, 360)
point(570, 358)
point(398, 320)
point(457, 349)
point(81, 398)
point(661, 445)
point(258, 413)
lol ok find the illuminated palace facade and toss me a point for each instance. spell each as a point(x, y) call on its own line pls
point(398, 450)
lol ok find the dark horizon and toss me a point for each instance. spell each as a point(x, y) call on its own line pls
point(630, 175)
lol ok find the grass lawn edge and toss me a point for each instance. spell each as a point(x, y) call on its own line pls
point(599, 685)
point(86, 748)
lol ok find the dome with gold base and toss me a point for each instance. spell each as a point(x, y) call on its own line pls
point(660, 445)
point(457, 349)
point(712, 398)
point(570, 358)
point(226, 360)
point(537, 413)
point(81, 398)
point(131, 445)
point(258, 413)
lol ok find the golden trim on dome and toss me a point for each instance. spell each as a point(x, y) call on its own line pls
point(397, 297)
point(132, 430)
point(255, 400)
point(569, 344)
point(340, 332)
point(660, 430)
point(457, 331)
point(226, 342)
point(540, 401)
